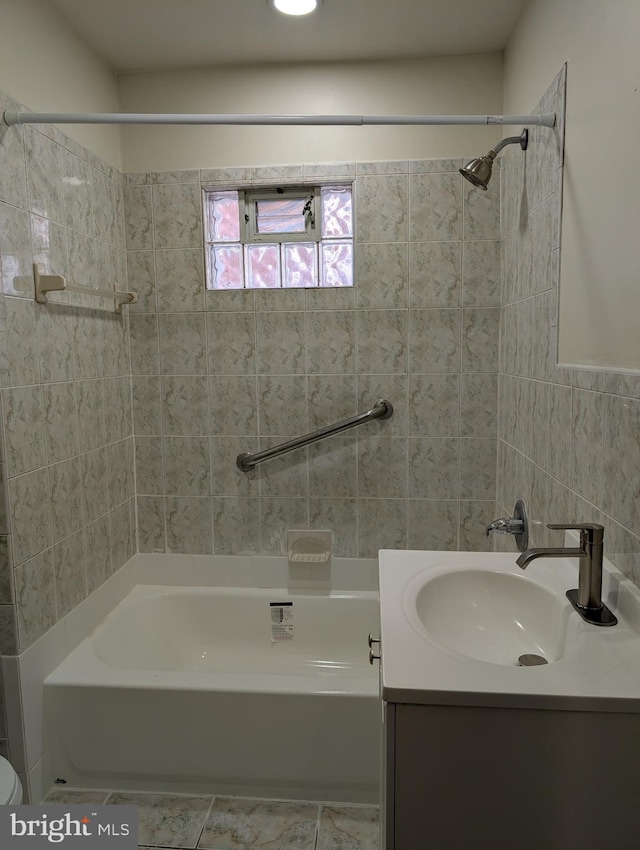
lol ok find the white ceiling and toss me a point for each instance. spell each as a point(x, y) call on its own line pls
point(145, 35)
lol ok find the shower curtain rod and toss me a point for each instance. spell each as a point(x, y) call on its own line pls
point(11, 118)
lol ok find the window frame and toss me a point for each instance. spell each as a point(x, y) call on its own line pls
point(249, 198)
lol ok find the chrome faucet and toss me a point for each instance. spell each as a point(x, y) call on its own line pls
point(587, 599)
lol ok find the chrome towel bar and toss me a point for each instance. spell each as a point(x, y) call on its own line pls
point(382, 409)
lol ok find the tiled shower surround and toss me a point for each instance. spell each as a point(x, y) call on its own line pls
point(216, 373)
point(569, 438)
point(67, 520)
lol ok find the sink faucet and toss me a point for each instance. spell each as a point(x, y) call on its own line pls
point(587, 599)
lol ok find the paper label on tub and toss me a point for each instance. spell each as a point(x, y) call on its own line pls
point(281, 621)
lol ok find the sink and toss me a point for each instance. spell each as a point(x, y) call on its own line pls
point(491, 616)
point(453, 626)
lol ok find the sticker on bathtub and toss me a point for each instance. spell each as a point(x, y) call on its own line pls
point(281, 621)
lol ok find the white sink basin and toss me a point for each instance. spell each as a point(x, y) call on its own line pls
point(454, 624)
point(491, 616)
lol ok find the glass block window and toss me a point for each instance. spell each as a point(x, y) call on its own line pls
point(293, 237)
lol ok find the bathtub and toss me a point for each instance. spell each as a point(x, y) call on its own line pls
point(205, 690)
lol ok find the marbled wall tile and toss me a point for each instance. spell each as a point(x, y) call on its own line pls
point(60, 421)
point(330, 339)
point(50, 249)
point(225, 175)
point(23, 416)
point(478, 468)
point(55, 343)
point(150, 524)
point(621, 486)
point(482, 211)
point(35, 598)
point(69, 565)
point(121, 533)
point(433, 468)
point(15, 251)
point(138, 215)
point(236, 526)
point(234, 406)
point(30, 515)
point(383, 166)
point(149, 466)
point(226, 478)
point(276, 173)
point(280, 343)
point(4, 516)
point(117, 408)
point(185, 405)
point(381, 273)
point(623, 549)
point(331, 399)
point(230, 301)
point(540, 430)
point(587, 444)
point(435, 207)
point(186, 175)
point(95, 483)
point(382, 524)
point(83, 266)
point(147, 405)
point(623, 383)
point(120, 466)
point(435, 274)
point(261, 823)
point(144, 344)
point(65, 495)
point(332, 467)
point(186, 466)
point(177, 216)
point(6, 569)
point(434, 405)
point(91, 419)
point(382, 209)
point(393, 388)
point(478, 404)
point(329, 169)
point(481, 274)
point(180, 280)
point(434, 166)
point(286, 475)
point(382, 341)
point(434, 340)
point(103, 203)
point(282, 405)
point(8, 631)
point(44, 175)
point(331, 298)
point(480, 338)
point(141, 279)
point(98, 553)
point(559, 432)
point(382, 467)
point(340, 516)
point(278, 515)
point(87, 345)
point(77, 183)
point(183, 344)
point(13, 176)
point(474, 517)
point(231, 343)
point(432, 524)
point(23, 361)
point(189, 525)
point(291, 300)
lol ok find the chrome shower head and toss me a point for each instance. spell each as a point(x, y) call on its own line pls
point(478, 171)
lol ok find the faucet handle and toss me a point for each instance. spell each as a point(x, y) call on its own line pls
point(591, 531)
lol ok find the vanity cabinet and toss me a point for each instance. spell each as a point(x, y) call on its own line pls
point(467, 778)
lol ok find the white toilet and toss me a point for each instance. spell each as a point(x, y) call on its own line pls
point(10, 787)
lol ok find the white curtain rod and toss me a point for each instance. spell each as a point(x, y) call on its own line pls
point(11, 118)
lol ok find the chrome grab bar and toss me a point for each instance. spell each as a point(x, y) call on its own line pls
point(382, 409)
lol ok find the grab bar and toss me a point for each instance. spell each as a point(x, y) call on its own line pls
point(382, 409)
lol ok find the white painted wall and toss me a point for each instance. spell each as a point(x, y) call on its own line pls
point(45, 66)
point(454, 85)
point(600, 276)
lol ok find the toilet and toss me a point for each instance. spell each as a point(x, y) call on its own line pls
point(10, 787)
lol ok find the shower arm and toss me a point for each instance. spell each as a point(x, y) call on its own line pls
point(522, 140)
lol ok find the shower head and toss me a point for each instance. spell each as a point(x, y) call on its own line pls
point(478, 171)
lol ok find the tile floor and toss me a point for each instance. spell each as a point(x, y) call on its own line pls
point(185, 822)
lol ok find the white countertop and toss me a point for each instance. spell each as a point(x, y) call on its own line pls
point(602, 673)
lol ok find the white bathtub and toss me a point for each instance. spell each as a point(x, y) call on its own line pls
point(182, 688)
